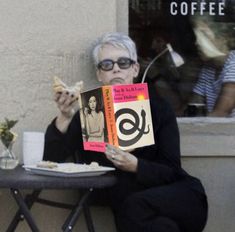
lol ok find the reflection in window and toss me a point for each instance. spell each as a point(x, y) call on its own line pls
point(205, 84)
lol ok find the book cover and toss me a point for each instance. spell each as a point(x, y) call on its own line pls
point(119, 115)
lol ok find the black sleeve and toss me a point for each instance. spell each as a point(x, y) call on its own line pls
point(164, 166)
point(59, 146)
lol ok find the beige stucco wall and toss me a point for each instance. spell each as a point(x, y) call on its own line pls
point(208, 152)
point(40, 39)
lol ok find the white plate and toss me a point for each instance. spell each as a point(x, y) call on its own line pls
point(69, 169)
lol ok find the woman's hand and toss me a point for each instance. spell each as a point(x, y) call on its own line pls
point(67, 103)
point(121, 159)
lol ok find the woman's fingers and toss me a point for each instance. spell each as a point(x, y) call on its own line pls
point(115, 155)
point(67, 103)
point(121, 159)
point(114, 149)
point(57, 95)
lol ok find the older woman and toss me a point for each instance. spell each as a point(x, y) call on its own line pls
point(153, 192)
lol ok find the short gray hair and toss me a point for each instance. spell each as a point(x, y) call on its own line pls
point(115, 39)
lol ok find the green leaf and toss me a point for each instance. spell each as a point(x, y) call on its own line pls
point(10, 123)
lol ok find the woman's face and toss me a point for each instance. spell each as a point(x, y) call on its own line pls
point(116, 76)
point(92, 103)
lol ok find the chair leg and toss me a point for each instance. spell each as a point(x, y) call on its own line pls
point(29, 200)
point(24, 210)
point(73, 216)
point(89, 222)
point(68, 219)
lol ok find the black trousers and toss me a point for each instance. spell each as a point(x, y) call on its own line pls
point(168, 208)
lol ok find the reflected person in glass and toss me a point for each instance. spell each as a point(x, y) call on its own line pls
point(215, 86)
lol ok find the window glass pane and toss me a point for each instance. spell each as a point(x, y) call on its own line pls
point(203, 34)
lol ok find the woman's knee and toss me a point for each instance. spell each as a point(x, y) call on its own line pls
point(162, 224)
point(136, 206)
point(136, 215)
point(132, 214)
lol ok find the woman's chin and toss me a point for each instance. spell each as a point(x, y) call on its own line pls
point(117, 81)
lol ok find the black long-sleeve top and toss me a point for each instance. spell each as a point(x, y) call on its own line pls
point(158, 164)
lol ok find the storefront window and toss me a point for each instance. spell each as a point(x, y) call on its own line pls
point(203, 34)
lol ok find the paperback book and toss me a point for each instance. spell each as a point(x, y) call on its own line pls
point(119, 115)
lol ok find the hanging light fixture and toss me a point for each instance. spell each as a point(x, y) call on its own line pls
point(176, 59)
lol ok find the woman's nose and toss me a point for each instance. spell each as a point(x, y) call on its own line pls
point(116, 67)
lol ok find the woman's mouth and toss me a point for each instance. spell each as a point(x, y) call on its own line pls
point(116, 81)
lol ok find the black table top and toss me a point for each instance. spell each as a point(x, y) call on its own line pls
point(20, 179)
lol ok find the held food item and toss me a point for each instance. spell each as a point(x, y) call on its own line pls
point(59, 86)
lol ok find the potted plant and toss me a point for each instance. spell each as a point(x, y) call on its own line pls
point(8, 160)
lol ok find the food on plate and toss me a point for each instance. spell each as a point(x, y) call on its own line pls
point(69, 167)
point(47, 164)
point(72, 167)
point(94, 164)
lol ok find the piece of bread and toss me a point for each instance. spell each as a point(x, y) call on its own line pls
point(76, 89)
point(60, 86)
point(94, 164)
point(47, 164)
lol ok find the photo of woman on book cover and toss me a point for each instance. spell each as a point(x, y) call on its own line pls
point(94, 117)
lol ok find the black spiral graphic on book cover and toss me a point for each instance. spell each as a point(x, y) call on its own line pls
point(135, 126)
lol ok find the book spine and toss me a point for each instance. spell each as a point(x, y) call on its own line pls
point(109, 115)
point(82, 119)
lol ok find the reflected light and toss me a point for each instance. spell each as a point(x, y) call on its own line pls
point(176, 59)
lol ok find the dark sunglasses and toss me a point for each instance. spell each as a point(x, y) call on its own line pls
point(123, 63)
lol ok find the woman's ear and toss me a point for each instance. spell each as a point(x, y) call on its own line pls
point(98, 75)
point(136, 69)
